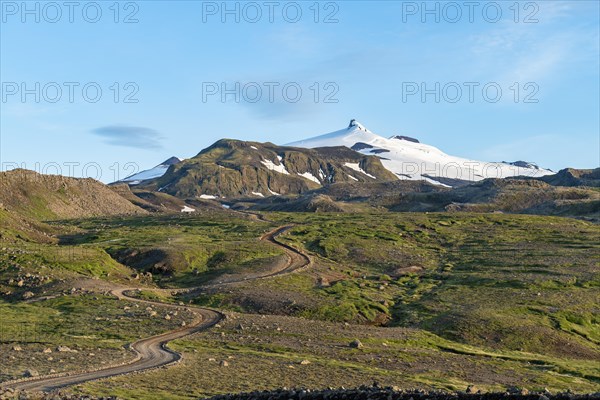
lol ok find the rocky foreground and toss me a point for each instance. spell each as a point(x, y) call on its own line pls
point(391, 393)
point(360, 393)
point(12, 395)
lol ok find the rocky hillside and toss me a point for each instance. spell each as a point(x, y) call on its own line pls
point(574, 177)
point(47, 197)
point(530, 196)
point(344, 197)
point(237, 169)
point(154, 202)
point(514, 195)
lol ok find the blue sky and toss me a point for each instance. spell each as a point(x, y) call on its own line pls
point(369, 57)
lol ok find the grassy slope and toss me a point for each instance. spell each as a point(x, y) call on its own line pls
point(197, 247)
point(509, 296)
point(265, 352)
point(515, 270)
point(498, 286)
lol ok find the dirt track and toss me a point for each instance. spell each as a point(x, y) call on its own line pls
point(297, 259)
point(153, 352)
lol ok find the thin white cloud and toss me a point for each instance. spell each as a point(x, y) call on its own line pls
point(129, 136)
point(509, 52)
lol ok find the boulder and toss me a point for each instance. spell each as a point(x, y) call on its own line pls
point(28, 295)
point(31, 373)
point(472, 389)
point(513, 390)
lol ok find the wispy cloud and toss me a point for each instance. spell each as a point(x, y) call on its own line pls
point(534, 50)
point(287, 99)
point(129, 136)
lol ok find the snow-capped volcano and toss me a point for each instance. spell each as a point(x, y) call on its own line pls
point(409, 159)
point(152, 173)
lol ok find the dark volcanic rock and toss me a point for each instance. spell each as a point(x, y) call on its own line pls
point(171, 161)
point(358, 146)
point(389, 393)
point(407, 138)
point(360, 393)
point(379, 151)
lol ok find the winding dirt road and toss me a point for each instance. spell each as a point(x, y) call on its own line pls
point(153, 352)
point(296, 259)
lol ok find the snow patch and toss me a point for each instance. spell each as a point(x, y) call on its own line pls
point(310, 176)
point(357, 168)
point(274, 193)
point(353, 178)
point(322, 174)
point(207, 197)
point(434, 182)
point(187, 209)
point(253, 147)
point(153, 173)
point(258, 194)
point(273, 167)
